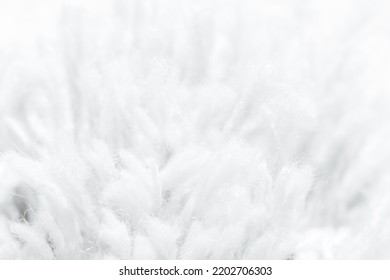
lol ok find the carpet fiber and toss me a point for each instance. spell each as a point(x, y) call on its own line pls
point(194, 129)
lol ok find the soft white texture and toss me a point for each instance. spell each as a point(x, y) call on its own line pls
point(194, 129)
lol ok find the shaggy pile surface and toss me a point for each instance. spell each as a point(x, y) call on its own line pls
point(180, 129)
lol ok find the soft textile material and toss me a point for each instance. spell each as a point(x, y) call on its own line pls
point(194, 129)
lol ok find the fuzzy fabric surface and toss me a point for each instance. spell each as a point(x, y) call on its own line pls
point(183, 129)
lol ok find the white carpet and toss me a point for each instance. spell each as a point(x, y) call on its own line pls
point(185, 129)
